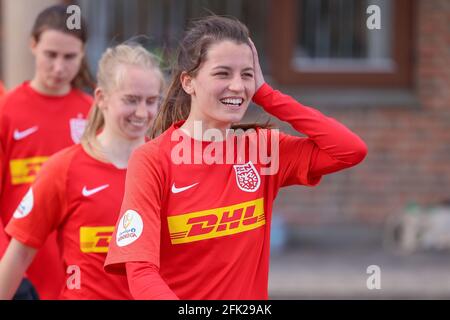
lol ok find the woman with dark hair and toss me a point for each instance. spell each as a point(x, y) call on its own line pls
point(196, 215)
point(39, 118)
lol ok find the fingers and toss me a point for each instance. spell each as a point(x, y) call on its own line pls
point(254, 51)
point(259, 78)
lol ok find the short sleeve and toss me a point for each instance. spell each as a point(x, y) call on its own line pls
point(4, 241)
point(296, 155)
point(2, 163)
point(42, 208)
point(2, 144)
point(136, 237)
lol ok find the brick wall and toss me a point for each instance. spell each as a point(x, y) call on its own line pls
point(409, 146)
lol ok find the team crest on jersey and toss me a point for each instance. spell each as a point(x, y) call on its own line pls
point(247, 178)
point(25, 206)
point(77, 126)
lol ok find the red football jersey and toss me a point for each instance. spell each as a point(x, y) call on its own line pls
point(2, 89)
point(34, 126)
point(79, 197)
point(210, 221)
point(202, 213)
point(205, 226)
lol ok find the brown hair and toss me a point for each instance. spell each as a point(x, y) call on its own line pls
point(109, 76)
point(190, 56)
point(55, 18)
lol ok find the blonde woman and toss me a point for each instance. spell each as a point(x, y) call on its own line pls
point(79, 190)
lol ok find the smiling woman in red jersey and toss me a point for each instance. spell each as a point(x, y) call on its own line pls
point(79, 190)
point(39, 118)
point(195, 229)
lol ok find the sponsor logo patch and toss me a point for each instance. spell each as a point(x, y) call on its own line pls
point(89, 192)
point(219, 222)
point(178, 190)
point(95, 239)
point(19, 135)
point(129, 229)
point(25, 170)
point(25, 206)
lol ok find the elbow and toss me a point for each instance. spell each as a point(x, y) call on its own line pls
point(354, 154)
point(360, 153)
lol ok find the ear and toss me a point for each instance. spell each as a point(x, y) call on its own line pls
point(100, 98)
point(33, 45)
point(186, 82)
point(83, 51)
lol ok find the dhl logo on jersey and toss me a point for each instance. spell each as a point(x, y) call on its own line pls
point(25, 170)
point(95, 239)
point(219, 222)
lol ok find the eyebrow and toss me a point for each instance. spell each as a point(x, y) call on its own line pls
point(141, 97)
point(56, 51)
point(228, 68)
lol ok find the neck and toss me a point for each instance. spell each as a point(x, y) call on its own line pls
point(117, 149)
point(196, 128)
point(39, 87)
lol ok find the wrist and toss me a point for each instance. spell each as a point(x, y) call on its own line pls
point(261, 92)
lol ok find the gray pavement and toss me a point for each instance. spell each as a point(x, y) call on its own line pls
point(330, 262)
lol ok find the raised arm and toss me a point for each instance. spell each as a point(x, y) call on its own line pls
point(338, 147)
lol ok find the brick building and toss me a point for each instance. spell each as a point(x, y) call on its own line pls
point(391, 86)
point(406, 130)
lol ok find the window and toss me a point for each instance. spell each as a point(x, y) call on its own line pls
point(327, 42)
point(161, 22)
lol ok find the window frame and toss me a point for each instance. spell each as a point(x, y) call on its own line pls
point(284, 15)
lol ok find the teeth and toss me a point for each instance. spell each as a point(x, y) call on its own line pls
point(232, 101)
point(137, 123)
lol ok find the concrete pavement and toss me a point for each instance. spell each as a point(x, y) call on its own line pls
point(330, 262)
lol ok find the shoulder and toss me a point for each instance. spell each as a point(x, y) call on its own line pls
point(13, 97)
point(62, 160)
point(152, 157)
point(265, 135)
point(153, 149)
point(147, 154)
point(82, 96)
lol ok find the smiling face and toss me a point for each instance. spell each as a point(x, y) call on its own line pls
point(223, 86)
point(130, 107)
point(58, 59)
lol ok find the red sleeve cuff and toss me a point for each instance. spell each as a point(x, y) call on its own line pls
point(145, 282)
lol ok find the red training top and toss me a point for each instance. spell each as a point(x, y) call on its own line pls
point(79, 197)
point(206, 227)
point(33, 126)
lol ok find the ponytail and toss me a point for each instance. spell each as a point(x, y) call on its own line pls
point(175, 107)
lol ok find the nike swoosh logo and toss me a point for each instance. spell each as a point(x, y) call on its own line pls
point(90, 192)
point(19, 135)
point(178, 190)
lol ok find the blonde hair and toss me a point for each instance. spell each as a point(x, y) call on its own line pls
point(109, 76)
